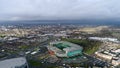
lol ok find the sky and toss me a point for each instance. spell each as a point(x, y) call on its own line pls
point(59, 9)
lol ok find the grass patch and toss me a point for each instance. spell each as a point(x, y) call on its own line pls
point(34, 63)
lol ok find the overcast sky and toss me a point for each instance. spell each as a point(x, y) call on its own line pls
point(59, 9)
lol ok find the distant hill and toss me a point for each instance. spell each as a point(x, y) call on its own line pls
point(63, 22)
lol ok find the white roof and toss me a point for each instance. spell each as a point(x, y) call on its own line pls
point(34, 52)
point(12, 63)
point(117, 51)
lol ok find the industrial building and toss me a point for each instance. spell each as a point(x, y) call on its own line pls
point(64, 49)
point(104, 39)
point(113, 59)
point(14, 63)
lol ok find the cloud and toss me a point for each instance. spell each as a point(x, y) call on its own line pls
point(59, 9)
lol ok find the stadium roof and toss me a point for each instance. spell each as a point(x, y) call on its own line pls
point(13, 63)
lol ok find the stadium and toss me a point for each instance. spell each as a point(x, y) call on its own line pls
point(20, 62)
point(64, 49)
